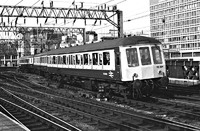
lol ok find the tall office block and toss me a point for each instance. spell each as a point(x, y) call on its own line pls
point(176, 23)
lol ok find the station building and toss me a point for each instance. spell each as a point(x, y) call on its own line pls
point(176, 23)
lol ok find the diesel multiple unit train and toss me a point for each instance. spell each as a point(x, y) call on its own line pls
point(131, 66)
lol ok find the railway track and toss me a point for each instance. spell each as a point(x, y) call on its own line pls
point(113, 117)
point(159, 109)
point(31, 117)
point(178, 90)
point(173, 110)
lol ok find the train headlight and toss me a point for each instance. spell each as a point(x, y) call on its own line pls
point(160, 72)
point(135, 75)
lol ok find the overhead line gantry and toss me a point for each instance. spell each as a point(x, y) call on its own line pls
point(65, 13)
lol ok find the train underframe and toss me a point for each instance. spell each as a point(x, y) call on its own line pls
point(106, 89)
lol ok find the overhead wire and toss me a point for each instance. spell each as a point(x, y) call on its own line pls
point(61, 24)
point(137, 18)
point(128, 20)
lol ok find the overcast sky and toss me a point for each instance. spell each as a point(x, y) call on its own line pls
point(135, 12)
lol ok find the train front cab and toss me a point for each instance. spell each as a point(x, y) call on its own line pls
point(144, 66)
point(25, 64)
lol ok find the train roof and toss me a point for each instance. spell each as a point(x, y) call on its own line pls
point(25, 57)
point(108, 44)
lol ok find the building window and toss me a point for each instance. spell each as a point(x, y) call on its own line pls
point(7, 57)
point(14, 57)
point(187, 54)
point(196, 54)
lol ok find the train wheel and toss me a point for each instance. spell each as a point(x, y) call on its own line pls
point(148, 88)
point(136, 93)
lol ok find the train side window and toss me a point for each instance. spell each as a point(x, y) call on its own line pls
point(85, 56)
point(90, 59)
point(95, 58)
point(67, 60)
point(81, 59)
point(49, 60)
point(100, 59)
point(54, 60)
point(70, 60)
point(58, 59)
point(132, 57)
point(64, 59)
point(61, 60)
point(78, 59)
point(73, 60)
point(106, 58)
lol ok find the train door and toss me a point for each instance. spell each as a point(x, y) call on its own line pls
point(108, 60)
point(117, 62)
point(130, 65)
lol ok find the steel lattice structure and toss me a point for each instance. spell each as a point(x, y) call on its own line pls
point(64, 13)
point(63, 30)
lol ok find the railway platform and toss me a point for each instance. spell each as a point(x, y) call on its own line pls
point(185, 82)
point(8, 124)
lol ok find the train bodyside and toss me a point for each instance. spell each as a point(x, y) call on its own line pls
point(124, 64)
point(183, 71)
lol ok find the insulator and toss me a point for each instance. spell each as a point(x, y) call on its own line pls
point(51, 4)
point(95, 22)
point(46, 20)
point(81, 4)
point(74, 21)
point(42, 3)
